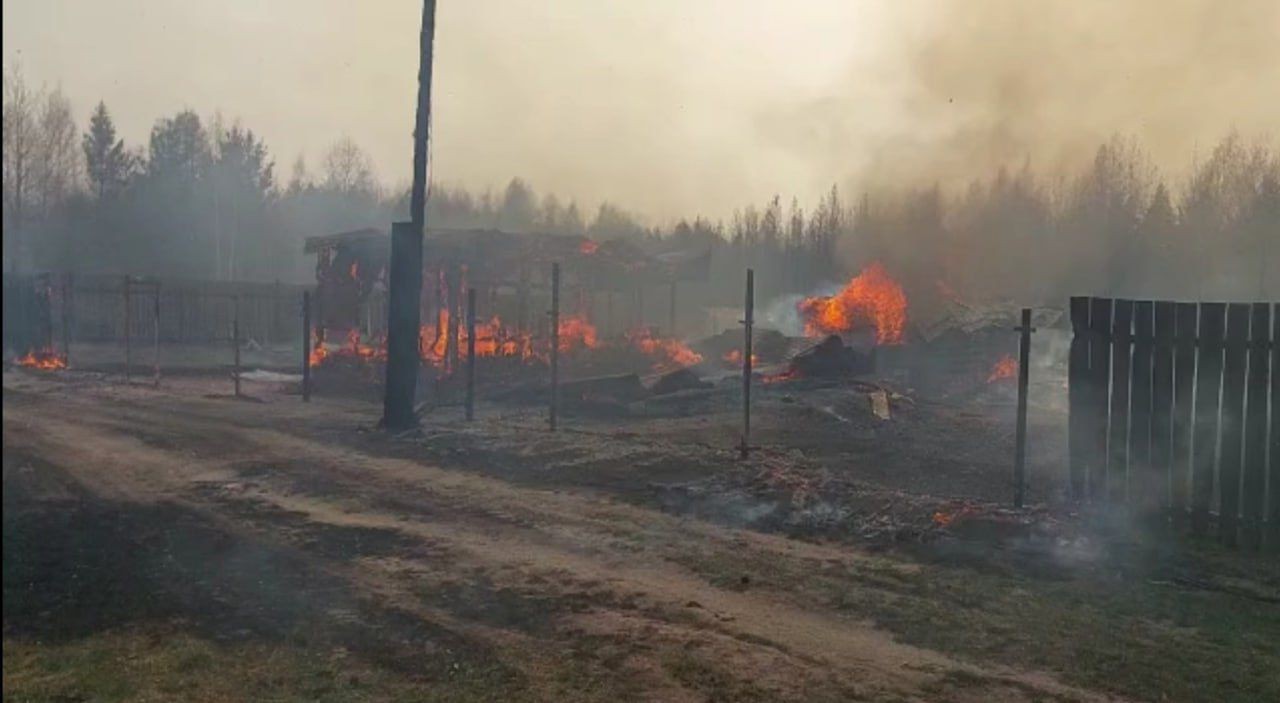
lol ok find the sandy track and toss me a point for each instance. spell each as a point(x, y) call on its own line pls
point(534, 575)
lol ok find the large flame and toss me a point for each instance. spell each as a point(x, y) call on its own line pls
point(43, 359)
point(576, 332)
point(870, 298)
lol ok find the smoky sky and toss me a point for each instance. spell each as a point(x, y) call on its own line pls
point(674, 107)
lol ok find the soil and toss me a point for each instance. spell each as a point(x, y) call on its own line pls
point(633, 558)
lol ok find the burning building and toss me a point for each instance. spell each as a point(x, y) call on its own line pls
point(603, 288)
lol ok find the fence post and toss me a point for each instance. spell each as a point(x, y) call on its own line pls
point(306, 346)
point(471, 354)
point(155, 333)
point(1024, 373)
point(235, 340)
point(748, 322)
point(671, 314)
point(555, 344)
point(66, 318)
point(128, 323)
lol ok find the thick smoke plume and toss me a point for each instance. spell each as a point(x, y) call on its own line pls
point(965, 86)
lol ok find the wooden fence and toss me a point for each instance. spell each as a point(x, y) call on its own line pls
point(1175, 410)
point(98, 308)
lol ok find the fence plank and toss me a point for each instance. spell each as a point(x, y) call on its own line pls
point(1207, 407)
point(1121, 349)
point(1232, 432)
point(1254, 481)
point(1078, 436)
point(1143, 491)
point(1162, 400)
point(1186, 316)
point(1273, 473)
point(1100, 376)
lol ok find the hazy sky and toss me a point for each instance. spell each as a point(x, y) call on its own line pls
point(674, 107)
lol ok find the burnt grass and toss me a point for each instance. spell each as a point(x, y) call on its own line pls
point(77, 567)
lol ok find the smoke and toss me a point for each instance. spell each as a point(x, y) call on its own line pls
point(969, 86)
point(671, 107)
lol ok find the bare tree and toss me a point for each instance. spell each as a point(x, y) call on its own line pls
point(348, 171)
point(21, 143)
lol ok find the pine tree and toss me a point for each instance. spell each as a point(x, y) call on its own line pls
point(109, 164)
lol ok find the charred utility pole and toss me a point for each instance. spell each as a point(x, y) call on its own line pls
point(1020, 451)
point(555, 345)
point(405, 275)
point(748, 321)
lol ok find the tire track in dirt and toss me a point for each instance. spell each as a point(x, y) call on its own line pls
point(555, 570)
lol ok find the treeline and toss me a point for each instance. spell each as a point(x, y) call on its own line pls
point(204, 198)
point(1118, 227)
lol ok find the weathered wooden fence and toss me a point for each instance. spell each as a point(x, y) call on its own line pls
point(1175, 410)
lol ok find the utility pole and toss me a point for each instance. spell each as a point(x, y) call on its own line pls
point(405, 284)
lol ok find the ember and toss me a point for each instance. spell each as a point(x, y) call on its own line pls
point(588, 246)
point(870, 298)
point(1005, 369)
point(45, 360)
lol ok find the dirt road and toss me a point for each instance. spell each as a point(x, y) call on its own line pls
point(250, 521)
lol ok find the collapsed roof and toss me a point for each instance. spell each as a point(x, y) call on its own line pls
point(498, 257)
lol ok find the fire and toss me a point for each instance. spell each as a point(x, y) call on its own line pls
point(1005, 368)
point(576, 332)
point(355, 270)
point(45, 360)
point(947, 516)
point(360, 350)
point(588, 246)
point(872, 297)
point(318, 351)
point(787, 375)
point(669, 352)
point(734, 356)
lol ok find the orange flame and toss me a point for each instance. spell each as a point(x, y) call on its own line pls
point(360, 350)
point(44, 360)
point(781, 377)
point(669, 352)
point(588, 246)
point(872, 297)
point(1004, 369)
point(355, 270)
point(734, 356)
point(576, 332)
point(318, 351)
